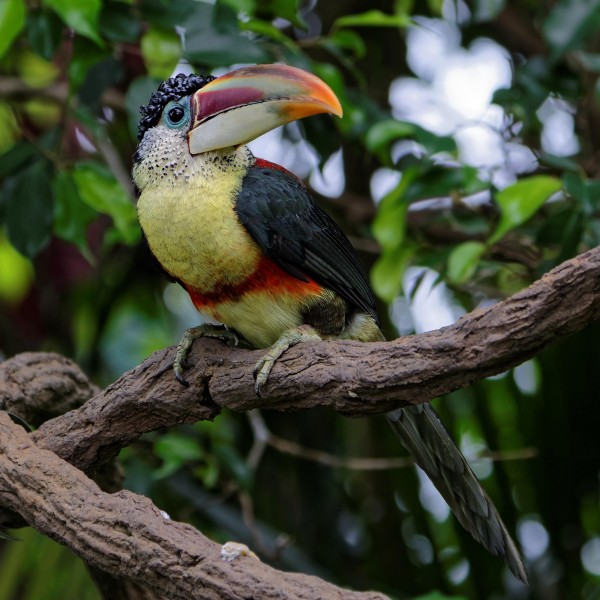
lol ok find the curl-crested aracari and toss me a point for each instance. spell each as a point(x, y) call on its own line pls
point(245, 239)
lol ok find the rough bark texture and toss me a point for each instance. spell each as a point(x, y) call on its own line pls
point(351, 377)
point(124, 534)
point(39, 386)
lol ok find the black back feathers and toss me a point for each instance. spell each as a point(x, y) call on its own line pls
point(282, 218)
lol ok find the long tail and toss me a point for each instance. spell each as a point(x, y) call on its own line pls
point(422, 433)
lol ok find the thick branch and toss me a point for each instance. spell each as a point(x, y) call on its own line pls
point(39, 386)
point(351, 377)
point(125, 534)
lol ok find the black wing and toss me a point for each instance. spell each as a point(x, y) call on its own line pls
point(283, 219)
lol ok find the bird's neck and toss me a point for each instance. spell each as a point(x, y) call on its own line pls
point(175, 167)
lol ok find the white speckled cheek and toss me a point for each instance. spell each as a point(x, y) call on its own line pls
point(161, 156)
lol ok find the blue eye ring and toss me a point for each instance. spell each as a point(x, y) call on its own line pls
point(176, 115)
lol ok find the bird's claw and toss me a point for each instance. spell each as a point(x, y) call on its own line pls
point(184, 382)
point(289, 338)
point(205, 330)
point(261, 372)
point(230, 337)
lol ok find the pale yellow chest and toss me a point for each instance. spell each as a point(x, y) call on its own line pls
point(193, 231)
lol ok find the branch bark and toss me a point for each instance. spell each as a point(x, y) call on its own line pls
point(125, 534)
point(355, 379)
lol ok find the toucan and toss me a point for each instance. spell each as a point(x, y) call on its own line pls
point(257, 255)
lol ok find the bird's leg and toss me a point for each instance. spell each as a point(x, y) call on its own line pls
point(289, 338)
point(205, 330)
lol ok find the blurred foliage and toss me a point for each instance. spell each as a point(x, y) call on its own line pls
point(75, 277)
point(37, 568)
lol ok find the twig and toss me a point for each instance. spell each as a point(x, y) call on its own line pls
point(267, 438)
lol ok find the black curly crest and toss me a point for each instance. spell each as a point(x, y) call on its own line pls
point(173, 89)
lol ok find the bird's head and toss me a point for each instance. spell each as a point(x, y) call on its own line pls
point(191, 119)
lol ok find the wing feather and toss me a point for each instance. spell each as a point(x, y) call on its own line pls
point(283, 219)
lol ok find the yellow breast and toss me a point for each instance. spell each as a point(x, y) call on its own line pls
point(193, 231)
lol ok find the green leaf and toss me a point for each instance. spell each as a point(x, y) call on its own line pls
point(177, 447)
point(435, 181)
point(390, 223)
point(138, 94)
point(389, 229)
point(85, 56)
point(389, 226)
point(488, 10)
point(383, 133)
point(284, 9)
point(213, 39)
point(16, 158)
point(372, 18)
point(521, 201)
point(586, 191)
point(28, 209)
point(243, 6)
point(161, 50)
point(463, 261)
point(436, 6)
point(570, 23)
point(101, 76)
point(208, 472)
point(118, 24)
point(267, 29)
point(34, 70)
point(218, 49)
point(434, 143)
point(563, 163)
point(82, 16)
point(235, 464)
point(175, 451)
point(9, 128)
point(164, 13)
point(224, 18)
point(100, 190)
point(44, 32)
point(71, 215)
point(404, 7)
point(387, 272)
point(16, 273)
point(12, 19)
point(346, 39)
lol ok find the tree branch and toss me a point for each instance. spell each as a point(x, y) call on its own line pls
point(351, 377)
point(126, 535)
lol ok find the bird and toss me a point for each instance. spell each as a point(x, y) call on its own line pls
point(244, 237)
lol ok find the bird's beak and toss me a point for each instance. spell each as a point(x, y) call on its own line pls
point(242, 105)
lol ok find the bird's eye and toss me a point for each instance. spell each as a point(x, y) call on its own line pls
point(176, 114)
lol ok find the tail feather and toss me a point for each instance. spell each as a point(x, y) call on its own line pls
point(422, 433)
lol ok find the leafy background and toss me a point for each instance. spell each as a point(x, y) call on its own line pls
point(446, 234)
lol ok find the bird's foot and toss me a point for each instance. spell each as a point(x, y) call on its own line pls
point(220, 332)
point(289, 338)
